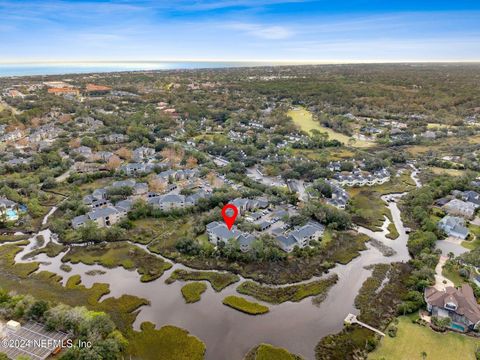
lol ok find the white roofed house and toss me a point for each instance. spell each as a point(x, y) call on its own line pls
point(382, 176)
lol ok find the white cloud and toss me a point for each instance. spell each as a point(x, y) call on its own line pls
point(270, 32)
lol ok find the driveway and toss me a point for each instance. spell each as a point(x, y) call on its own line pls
point(441, 282)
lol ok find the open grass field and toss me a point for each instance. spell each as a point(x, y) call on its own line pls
point(245, 306)
point(451, 172)
point(304, 119)
point(335, 154)
point(413, 339)
point(167, 343)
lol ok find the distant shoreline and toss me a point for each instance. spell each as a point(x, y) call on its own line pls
point(45, 68)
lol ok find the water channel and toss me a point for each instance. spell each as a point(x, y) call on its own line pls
point(229, 333)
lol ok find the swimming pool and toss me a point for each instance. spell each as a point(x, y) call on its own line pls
point(457, 327)
point(11, 214)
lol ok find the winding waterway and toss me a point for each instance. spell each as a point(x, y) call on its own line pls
point(226, 332)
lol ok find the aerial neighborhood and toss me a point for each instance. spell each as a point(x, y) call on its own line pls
point(360, 195)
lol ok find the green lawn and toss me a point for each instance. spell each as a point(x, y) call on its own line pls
point(245, 306)
point(451, 172)
point(473, 240)
point(192, 292)
point(304, 119)
point(451, 273)
point(413, 339)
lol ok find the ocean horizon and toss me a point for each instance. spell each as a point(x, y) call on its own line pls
point(39, 69)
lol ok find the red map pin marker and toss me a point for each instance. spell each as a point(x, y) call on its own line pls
point(229, 213)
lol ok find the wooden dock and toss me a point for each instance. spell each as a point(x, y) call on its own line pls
point(352, 319)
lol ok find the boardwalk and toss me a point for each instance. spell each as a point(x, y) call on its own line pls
point(352, 319)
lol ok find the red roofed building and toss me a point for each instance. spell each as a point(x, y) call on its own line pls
point(93, 89)
point(64, 91)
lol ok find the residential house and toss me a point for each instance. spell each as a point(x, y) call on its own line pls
point(64, 91)
point(85, 151)
point(453, 226)
point(244, 205)
point(142, 154)
point(103, 156)
point(12, 135)
point(458, 207)
point(97, 90)
point(115, 138)
point(135, 169)
point(471, 197)
point(219, 232)
point(301, 236)
point(168, 202)
point(459, 305)
point(8, 209)
point(104, 217)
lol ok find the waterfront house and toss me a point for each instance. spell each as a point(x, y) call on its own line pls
point(459, 305)
point(8, 209)
point(218, 231)
point(104, 217)
point(300, 236)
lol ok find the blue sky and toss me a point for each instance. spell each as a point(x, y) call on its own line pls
point(270, 30)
